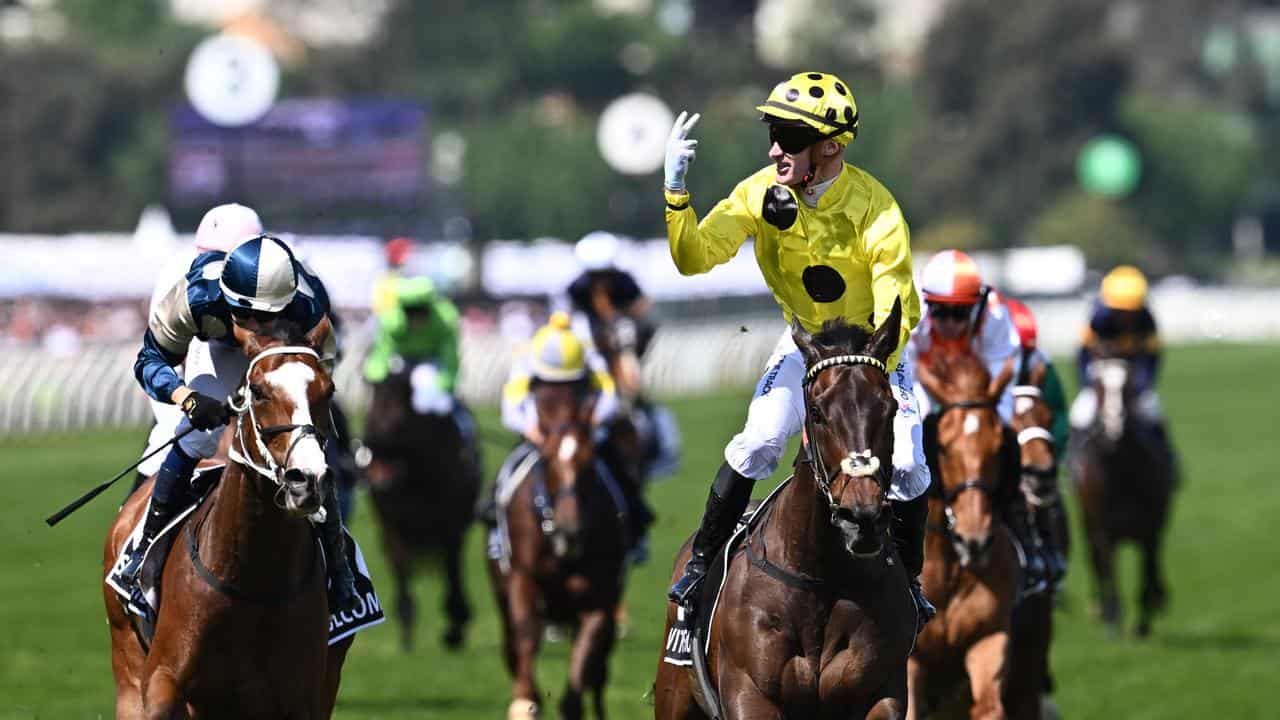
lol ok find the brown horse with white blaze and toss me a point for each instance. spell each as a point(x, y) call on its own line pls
point(566, 564)
point(815, 619)
point(243, 621)
point(971, 567)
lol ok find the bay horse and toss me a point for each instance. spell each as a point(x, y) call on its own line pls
point(971, 566)
point(815, 619)
point(567, 561)
point(1125, 492)
point(1029, 681)
point(242, 629)
point(423, 479)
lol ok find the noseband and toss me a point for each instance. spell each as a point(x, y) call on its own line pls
point(242, 403)
point(855, 464)
point(949, 496)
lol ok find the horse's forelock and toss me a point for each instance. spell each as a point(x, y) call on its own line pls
point(840, 338)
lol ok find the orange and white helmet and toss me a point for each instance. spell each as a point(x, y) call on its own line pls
point(951, 278)
point(226, 226)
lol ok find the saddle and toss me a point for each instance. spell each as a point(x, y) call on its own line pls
point(688, 627)
point(365, 610)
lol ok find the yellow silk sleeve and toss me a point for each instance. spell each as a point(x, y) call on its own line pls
point(888, 248)
point(696, 247)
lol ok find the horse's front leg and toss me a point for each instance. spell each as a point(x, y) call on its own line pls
point(985, 662)
point(741, 699)
point(456, 606)
point(526, 631)
point(1153, 590)
point(915, 688)
point(162, 697)
point(589, 663)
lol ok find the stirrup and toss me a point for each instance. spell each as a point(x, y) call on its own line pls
point(925, 610)
point(685, 590)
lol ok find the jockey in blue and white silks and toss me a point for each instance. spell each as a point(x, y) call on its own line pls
point(221, 229)
point(255, 286)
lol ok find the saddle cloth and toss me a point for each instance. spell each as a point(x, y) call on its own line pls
point(514, 472)
point(678, 649)
point(364, 612)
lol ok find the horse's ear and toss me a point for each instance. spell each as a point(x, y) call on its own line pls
point(320, 336)
point(930, 379)
point(247, 340)
point(998, 383)
point(885, 339)
point(804, 341)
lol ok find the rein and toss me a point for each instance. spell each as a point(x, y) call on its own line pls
point(231, 591)
point(855, 464)
point(242, 403)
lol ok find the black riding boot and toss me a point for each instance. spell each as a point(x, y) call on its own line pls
point(909, 518)
point(729, 496)
point(1035, 572)
point(169, 494)
point(1055, 560)
point(342, 583)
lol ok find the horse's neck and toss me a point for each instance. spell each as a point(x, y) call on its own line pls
point(247, 541)
point(807, 541)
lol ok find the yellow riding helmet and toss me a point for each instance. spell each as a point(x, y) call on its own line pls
point(558, 354)
point(820, 100)
point(1124, 288)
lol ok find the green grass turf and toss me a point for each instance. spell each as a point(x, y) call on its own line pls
point(1214, 654)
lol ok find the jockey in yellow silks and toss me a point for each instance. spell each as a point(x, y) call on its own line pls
point(832, 244)
point(556, 355)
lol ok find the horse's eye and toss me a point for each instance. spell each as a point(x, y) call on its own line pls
point(256, 392)
point(818, 417)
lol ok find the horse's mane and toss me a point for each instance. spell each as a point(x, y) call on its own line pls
point(962, 371)
point(838, 336)
point(282, 332)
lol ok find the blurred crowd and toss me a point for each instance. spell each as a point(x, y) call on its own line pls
point(62, 326)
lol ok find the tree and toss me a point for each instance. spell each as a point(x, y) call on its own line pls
point(1013, 90)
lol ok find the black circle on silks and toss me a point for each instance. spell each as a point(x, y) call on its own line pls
point(823, 283)
point(779, 207)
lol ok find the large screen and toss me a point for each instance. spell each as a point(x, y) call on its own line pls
point(304, 153)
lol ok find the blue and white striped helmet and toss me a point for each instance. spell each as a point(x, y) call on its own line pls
point(260, 273)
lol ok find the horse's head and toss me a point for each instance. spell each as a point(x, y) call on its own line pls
point(849, 425)
point(564, 417)
point(1112, 384)
point(1032, 420)
point(283, 415)
point(970, 437)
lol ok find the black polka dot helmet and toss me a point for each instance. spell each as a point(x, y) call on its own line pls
point(820, 100)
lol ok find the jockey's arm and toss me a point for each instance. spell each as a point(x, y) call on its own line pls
point(1056, 399)
point(170, 329)
point(887, 244)
point(696, 247)
point(999, 347)
point(446, 341)
point(519, 415)
point(603, 386)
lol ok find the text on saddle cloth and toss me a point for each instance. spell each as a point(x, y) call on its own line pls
point(364, 612)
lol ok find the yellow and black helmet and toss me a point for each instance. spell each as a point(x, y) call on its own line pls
point(819, 100)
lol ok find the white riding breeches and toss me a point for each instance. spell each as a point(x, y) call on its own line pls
point(215, 369)
point(1085, 407)
point(776, 414)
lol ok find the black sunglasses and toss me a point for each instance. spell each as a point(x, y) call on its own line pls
point(793, 138)
point(950, 312)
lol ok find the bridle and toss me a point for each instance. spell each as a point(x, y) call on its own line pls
point(855, 464)
point(950, 496)
point(242, 402)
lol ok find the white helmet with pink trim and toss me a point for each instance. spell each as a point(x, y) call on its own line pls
point(226, 226)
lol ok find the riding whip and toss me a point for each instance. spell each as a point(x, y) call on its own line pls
point(57, 517)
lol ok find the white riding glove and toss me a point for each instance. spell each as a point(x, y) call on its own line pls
point(428, 397)
point(680, 151)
